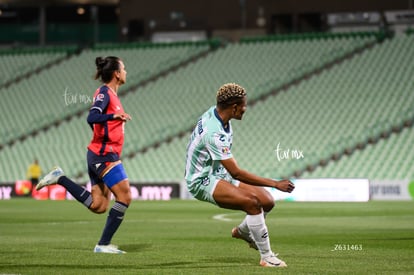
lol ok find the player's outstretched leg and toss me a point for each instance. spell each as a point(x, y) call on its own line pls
point(57, 176)
point(51, 178)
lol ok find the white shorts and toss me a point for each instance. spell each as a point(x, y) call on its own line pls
point(203, 189)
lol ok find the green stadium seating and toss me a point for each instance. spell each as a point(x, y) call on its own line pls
point(66, 88)
point(325, 115)
point(349, 103)
point(388, 159)
point(15, 65)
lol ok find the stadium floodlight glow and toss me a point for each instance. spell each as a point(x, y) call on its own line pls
point(80, 11)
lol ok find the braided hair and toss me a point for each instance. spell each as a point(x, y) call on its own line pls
point(229, 94)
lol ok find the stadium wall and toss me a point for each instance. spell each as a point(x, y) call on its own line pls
point(306, 190)
point(141, 18)
point(139, 191)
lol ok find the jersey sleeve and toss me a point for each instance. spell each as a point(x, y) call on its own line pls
point(101, 101)
point(95, 116)
point(96, 112)
point(219, 147)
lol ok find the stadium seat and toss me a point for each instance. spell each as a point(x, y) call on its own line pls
point(347, 104)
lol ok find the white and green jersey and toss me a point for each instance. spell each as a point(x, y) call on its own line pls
point(210, 142)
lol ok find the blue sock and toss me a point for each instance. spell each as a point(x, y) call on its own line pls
point(114, 220)
point(78, 192)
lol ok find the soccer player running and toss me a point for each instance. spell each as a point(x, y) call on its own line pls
point(212, 173)
point(106, 172)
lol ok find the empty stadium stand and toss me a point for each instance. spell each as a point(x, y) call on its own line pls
point(337, 99)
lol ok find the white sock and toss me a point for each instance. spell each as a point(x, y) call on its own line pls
point(258, 229)
point(243, 228)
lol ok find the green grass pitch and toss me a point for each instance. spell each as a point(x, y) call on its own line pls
point(192, 237)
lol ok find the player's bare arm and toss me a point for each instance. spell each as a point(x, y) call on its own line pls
point(252, 179)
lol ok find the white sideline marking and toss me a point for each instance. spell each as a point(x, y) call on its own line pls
point(225, 217)
point(66, 222)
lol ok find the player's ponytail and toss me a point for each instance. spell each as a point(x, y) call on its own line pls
point(105, 67)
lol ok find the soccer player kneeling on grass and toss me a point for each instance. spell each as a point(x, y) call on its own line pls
point(212, 173)
point(106, 172)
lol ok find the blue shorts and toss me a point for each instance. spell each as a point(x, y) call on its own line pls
point(115, 175)
point(96, 166)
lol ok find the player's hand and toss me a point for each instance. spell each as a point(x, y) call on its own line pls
point(285, 186)
point(122, 116)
